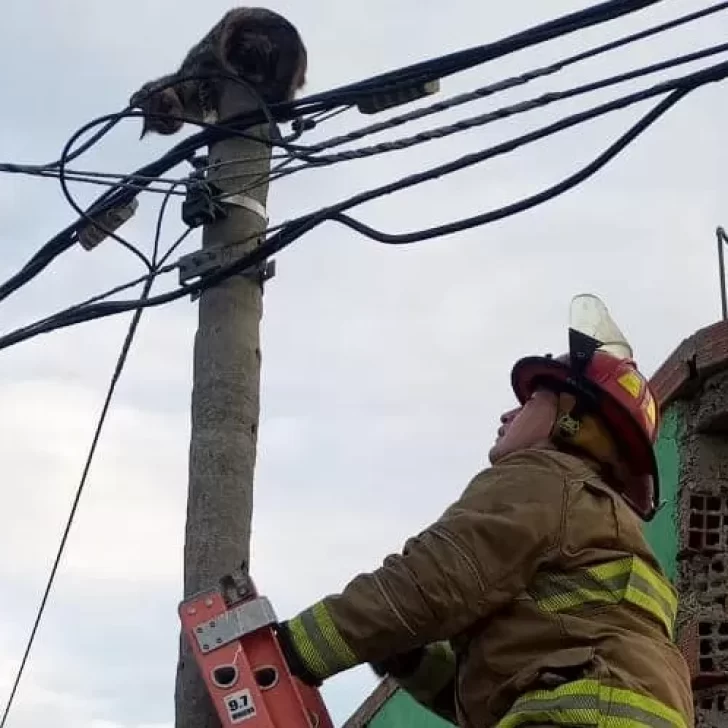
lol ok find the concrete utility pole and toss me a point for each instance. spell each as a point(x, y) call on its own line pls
point(225, 395)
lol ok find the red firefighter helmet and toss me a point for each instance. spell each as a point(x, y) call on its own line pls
point(601, 374)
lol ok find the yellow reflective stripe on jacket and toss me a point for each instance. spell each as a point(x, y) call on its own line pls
point(318, 642)
point(629, 579)
point(589, 703)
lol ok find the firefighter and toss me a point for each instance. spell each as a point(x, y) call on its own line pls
point(535, 598)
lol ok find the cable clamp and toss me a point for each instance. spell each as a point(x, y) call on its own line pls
point(200, 206)
point(109, 220)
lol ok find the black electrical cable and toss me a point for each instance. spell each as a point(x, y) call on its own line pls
point(420, 72)
point(679, 88)
point(512, 82)
point(521, 107)
point(104, 182)
point(49, 166)
point(121, 361)
point(109, 233)
point(452, 63)
point(295, 229)
point(128, 111)
point(102, 419)
point(65, 239)
point(323, 160)
point(423, 71)
point(119, 196)
point(529, 202)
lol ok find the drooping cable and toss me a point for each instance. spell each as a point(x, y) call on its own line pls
point(74, 507)
point(118, 369)
point(420, 72)
point(521, 107)
point(514, 81)
point(293, 230)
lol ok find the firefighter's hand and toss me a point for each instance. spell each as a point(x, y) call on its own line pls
point(399, 666)
point(295, 664)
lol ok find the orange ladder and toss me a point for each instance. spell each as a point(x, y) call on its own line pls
point(232, 633)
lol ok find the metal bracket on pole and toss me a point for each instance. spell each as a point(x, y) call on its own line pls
point(202, 262)
point(205, 204)
point(234, 624)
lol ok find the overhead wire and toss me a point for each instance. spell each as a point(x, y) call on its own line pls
point(522, 205)
point(284, 169)
point(463, 60)
point(74, 506)
point(112, 177)
point(116, 375)
point(157, 266)
point(327, 101)
point(66, 238)
point(289, 224)
point(513, 81)
point(287, 233)
point(541, 101)
point(679, 88)
point(314, 160)
point(294, 229)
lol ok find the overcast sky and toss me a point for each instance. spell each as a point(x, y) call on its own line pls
point(384, 369)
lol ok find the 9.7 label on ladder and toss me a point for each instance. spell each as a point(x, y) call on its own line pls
point(240, 706)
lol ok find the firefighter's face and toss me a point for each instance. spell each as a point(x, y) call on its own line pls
point(526, 426)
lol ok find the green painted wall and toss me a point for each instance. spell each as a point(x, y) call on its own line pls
point(662, 532)
point(401, 711)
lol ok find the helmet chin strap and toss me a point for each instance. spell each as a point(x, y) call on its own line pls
point(568, 417)
point(581, 350)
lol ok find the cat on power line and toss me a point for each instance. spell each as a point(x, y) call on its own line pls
point(255, 45)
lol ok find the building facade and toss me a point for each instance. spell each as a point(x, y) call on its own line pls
point(689, 534)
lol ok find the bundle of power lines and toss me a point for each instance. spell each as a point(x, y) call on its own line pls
point(291, 157)
point(314, 109)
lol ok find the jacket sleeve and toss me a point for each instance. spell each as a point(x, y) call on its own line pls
point(478, 556)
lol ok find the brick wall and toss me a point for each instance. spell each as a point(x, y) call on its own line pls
point(693, 385)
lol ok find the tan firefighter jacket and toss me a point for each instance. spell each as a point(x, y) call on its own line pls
point(539, 583)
